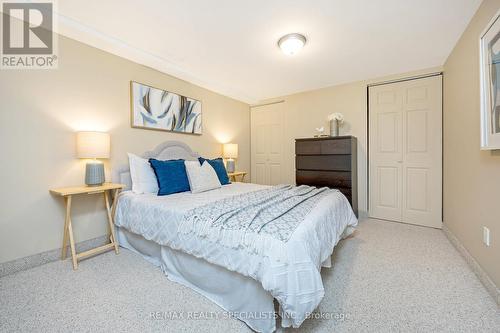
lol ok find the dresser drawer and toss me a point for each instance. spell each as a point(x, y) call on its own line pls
point(341, 146)
point(307, 147)
point(323, 147)
point(331, 179)
point(324, 162)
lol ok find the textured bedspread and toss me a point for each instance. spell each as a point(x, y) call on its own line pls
point(247, 221)
point(276, 235)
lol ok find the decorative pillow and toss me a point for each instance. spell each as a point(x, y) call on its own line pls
point(171, 176)
point(143, 176)
point(219, 168)
point(201, 177)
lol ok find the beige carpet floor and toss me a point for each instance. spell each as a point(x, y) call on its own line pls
point(388, 277)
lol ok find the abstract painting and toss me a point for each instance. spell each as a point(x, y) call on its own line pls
point(158, 109)
point(490, 85)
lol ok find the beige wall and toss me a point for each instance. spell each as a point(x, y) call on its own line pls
point(41, 110)
point(471, 176)
point(303, 112)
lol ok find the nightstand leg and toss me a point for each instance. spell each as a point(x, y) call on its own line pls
point(110, 221)
point(67, 201)
point(113, 209)
point(70, 233)
point(115, 200)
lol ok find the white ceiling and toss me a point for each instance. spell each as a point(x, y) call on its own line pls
point(229, 46)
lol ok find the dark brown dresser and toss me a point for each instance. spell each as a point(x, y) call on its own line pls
point(331, 162)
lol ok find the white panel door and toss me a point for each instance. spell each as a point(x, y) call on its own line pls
point(406, 151)
point(267, 150)
point(386, 153)
point(260, 136)
point(422, 167)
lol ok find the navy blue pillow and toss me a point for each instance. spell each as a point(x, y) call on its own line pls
point(219, 168)
point(171, 176)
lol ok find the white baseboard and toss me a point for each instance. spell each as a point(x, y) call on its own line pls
point(474, 265)
point(38, 259)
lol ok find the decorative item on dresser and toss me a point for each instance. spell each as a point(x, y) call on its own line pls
point(330, 162)
point(336, 120)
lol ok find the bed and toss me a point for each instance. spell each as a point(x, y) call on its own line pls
point(241, 271)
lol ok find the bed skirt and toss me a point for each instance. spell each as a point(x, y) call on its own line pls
point(240, 296)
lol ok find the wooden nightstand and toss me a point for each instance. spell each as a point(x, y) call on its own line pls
point(67, 193)
point(233, 176)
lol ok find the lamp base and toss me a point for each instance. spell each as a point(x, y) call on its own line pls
point(94, 174)
point(230, 165)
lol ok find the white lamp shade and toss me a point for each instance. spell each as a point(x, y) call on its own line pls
point(92, 145)
point(230, 150)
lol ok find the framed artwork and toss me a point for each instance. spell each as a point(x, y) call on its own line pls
point(490, 84)
point(158, 109)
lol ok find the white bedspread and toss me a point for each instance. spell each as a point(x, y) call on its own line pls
point(296, 283)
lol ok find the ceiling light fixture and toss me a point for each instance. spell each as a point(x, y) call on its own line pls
point(292, 43)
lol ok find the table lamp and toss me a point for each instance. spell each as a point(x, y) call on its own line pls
point(93, 145)
point(230, 152)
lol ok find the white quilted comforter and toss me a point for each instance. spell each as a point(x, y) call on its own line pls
point(295, 282)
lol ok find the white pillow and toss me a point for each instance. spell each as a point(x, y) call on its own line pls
point(201, 177)
point(142, 174)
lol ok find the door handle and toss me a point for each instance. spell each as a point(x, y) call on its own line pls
point(400, 162)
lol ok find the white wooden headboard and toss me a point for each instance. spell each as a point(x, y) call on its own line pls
point(168, 150)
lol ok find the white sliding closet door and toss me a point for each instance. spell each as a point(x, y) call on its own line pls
point(267, 138)
point(405, 143)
